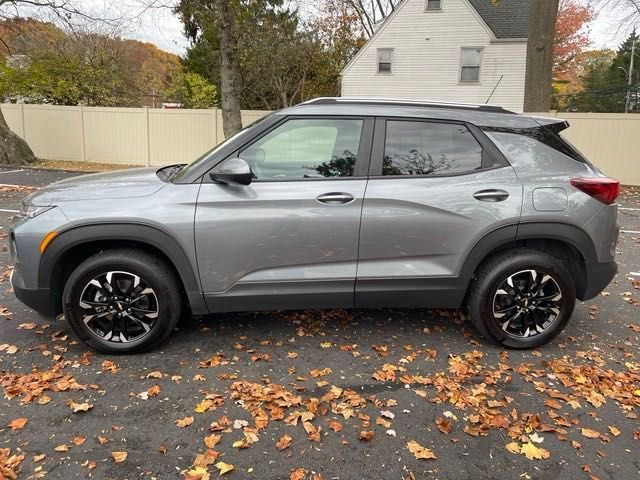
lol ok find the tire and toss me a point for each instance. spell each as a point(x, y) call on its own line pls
point(142, 320)
point(536, 322)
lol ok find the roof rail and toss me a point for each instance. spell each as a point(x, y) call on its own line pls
point(405, 102)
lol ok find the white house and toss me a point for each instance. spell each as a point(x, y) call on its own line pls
point(467, 51)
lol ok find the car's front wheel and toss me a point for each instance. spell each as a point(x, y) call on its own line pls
point(521, 298)
point(122, 301)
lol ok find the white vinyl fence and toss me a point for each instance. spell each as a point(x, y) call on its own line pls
point(145, 136)
point(134, 136)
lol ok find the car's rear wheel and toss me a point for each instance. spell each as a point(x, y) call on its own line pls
point(521, 298)
point(122, 301)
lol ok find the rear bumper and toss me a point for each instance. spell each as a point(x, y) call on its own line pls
point(599, 275)
point(37, 299)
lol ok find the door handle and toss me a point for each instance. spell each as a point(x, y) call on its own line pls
point(491, 195)
point(335, 198)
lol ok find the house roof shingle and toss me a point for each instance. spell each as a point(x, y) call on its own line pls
point(506, 18)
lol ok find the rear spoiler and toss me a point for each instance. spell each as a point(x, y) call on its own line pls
point(556, 125)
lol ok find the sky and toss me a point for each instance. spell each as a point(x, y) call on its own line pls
point(162, 27)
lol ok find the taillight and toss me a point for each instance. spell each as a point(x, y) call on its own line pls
point(603, 189)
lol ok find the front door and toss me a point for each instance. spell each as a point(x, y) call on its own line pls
point(290, 238)
point(436, 188)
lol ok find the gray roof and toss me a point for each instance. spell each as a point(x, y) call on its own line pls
point(506, 18)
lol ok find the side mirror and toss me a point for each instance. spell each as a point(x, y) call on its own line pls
point(234, 171)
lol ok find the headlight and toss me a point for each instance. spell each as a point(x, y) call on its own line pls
point(30, 211)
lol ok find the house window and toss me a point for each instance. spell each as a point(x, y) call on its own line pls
point(470, 65)
point(434, 5)
point(385, 59)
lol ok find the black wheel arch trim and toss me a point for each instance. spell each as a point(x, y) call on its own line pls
point(140, 233)
point(506, 234)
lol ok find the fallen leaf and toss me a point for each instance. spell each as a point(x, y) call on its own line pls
point(587, 432)
point(283, 442)
point(366, 435)
point(119, 457)
point(532, 452)
point(443, 425)
point(419, 451)
point(335, 426)
point(17, 424)
point(211, 441)
point(614, 431)
point(197, 473)
point(61, 448)
point(77, 441)
point(79, 407)
point(184, 422)
point(224, 467)
point(297, 474)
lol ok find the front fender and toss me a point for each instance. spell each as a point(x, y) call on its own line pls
point(51, 262)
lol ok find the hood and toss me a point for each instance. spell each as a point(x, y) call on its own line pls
point(137, 182)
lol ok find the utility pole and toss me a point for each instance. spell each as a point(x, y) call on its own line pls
point(627, 104)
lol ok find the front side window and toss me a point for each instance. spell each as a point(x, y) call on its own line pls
point(470, 65)
point(385, 60)
point(306, 148)
point(434, 4)
point(429, 148)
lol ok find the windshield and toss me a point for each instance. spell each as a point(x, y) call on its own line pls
point(203, 158)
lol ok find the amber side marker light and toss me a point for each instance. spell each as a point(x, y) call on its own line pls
point(47, 240)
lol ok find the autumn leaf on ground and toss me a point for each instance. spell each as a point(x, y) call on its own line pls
point(79, 407)
point(614, 431)
point(211, 441)
point(443, 425)
point(366, 435)
point(587, 432)
point(61, 448)
point(224, 467)
point(119, 457)
point(419, 451)
point(297, 474)
point(10, 349)
point(283, 442)
point(320, 373)
point(17, 424)
point(197, 473)
point(335, 426)
point(532, 452)
point(109, 366)
point(77, 441)
point(184, 422)
point(153, 390)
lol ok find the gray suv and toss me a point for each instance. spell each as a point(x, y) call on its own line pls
point(331, 203)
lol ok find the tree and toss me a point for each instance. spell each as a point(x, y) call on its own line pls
point(605, 81)
point(197, 92)
point(371, 13)
point(13, 149)
point(571, 37)
point(225, 22)
point(538, 77)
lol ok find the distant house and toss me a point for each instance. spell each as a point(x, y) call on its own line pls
point(445, 50)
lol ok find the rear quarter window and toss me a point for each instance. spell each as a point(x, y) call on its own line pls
point(537, 152)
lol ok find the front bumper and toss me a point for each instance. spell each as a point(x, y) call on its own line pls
point(37, 299)
point(599, 275)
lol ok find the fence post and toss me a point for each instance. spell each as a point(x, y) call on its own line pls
point(148, 139)
point(214, 127)
point(22, 122)
point(83, 148)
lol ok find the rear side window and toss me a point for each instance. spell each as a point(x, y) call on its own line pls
point(429, 148)
point(531, 152)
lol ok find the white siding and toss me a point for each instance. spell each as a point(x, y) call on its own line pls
point(426, 59)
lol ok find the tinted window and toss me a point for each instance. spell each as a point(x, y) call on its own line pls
point(426, 148)
point(306, 148)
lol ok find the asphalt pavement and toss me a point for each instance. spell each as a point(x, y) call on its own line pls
point(360, 393)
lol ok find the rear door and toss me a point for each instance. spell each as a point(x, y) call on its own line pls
point(435, 189)
point(290, 238)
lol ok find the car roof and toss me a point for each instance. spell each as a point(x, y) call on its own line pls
point(481, 115)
